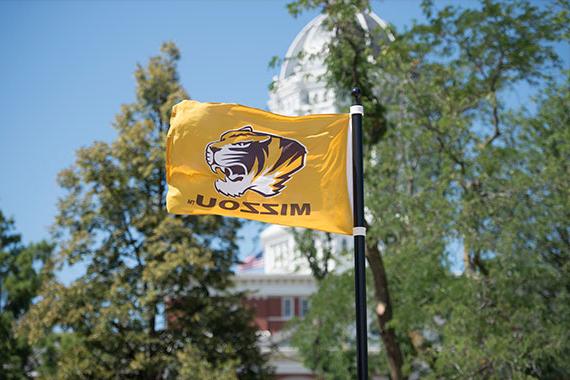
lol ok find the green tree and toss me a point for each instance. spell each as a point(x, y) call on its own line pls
point(513, 321)
point(447, 168)
point(22, 271)
point(319, 257)
point(156, 290)
point(326, 326)
point(325, 335)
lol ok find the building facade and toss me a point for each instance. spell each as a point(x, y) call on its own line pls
point(279, 292)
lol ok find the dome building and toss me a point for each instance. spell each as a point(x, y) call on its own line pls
point(300, 88)
point(280, 290)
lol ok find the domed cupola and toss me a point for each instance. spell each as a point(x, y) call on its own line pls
point(300, 88)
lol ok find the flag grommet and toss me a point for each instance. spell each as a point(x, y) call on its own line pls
point(359, 231)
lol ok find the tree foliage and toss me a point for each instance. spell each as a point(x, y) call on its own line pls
point(325, 336)
point(458, 180)
point(22, 271)
point(156, 290)
point(317, 249)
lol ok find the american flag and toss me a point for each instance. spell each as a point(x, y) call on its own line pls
point(252, 262)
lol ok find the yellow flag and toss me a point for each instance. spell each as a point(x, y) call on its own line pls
point(227, 159)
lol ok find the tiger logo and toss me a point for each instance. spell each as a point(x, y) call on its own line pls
point(250, 160)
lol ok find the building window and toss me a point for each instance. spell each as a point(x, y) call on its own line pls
point(304, 306)
point(281, 254)
point(287, 308)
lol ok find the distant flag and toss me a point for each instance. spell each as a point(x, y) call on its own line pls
point(252, 262)
point(232, 160)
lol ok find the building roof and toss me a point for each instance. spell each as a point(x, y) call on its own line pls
point(277, 285)
point(275, 230)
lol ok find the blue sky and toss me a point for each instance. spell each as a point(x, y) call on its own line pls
point(67, 67)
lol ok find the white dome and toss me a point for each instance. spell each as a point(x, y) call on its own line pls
point(299, 89)
point(312, 40)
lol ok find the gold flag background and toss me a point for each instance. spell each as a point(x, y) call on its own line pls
point(227, 159)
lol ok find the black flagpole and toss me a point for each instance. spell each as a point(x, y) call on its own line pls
point(359, 233)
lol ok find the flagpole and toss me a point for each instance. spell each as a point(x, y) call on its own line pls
point(359, 233)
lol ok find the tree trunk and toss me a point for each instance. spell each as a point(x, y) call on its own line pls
point(383, 310)
point(467, 262)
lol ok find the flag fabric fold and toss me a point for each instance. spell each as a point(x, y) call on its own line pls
point(232, 160)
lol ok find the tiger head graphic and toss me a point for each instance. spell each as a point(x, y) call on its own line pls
point(257, 161)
